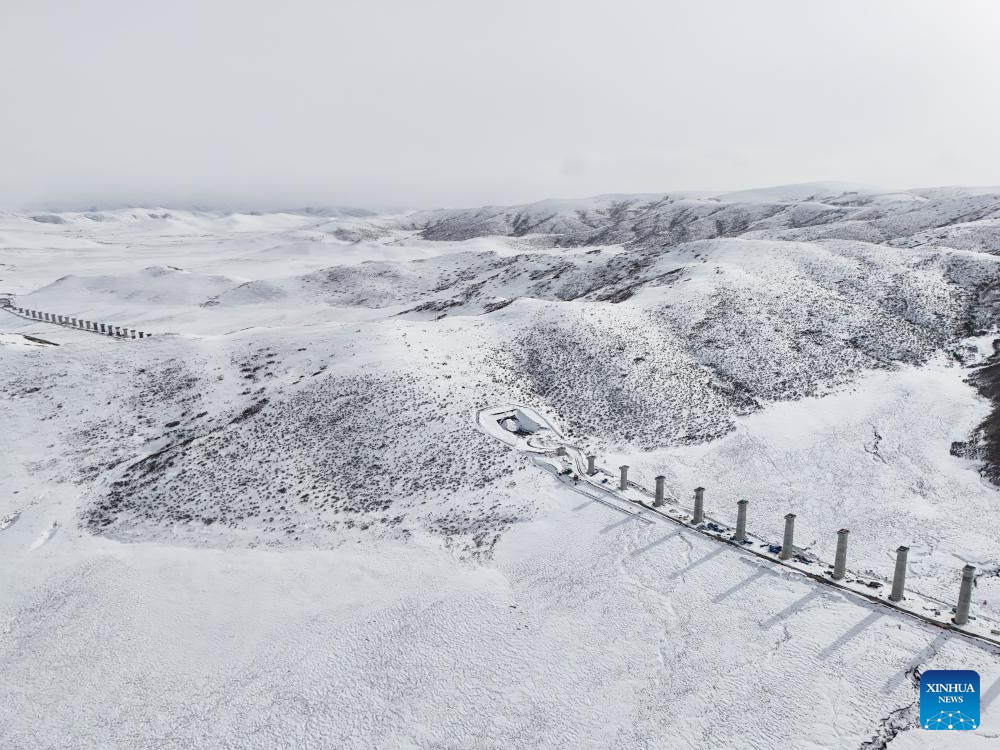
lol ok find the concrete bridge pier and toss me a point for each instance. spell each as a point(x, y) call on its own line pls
point(840, 561)
point(965, 595)
point(699, 505)
point(899, 576)
point(741, 521)
point(787, 544)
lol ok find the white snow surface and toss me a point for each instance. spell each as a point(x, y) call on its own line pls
point(275, 525)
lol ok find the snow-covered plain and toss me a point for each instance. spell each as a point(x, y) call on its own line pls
point(276, 524)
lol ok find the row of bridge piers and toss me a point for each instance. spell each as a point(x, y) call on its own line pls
point(105, 329)
point(787, 552)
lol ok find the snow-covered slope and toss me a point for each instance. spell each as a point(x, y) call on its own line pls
point(275, 523)
point(951, 218)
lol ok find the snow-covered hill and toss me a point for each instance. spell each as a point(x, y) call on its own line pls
point(275, 523)
point(958, 218)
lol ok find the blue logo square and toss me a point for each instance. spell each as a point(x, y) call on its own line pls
point(949, 699)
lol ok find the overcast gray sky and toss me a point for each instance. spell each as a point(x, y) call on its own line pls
point(433, 102)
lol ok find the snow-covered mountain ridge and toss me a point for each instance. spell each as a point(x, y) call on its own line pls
point(958, 218)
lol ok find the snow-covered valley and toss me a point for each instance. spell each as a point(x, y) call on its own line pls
point(277, 522)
